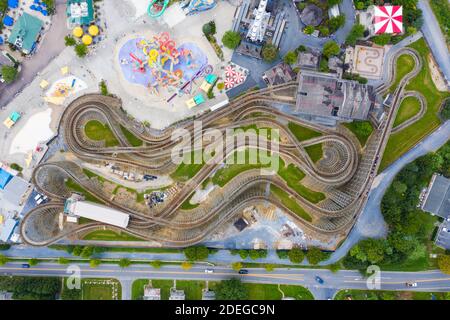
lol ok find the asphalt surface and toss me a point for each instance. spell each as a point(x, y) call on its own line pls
point(435, 39)
point(345, 279)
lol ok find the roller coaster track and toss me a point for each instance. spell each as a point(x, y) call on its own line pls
point(171, 226)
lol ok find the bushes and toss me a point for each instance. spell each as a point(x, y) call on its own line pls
point(296, 255)
point(330, 49)
point(232, 289)
point(382, 39)
point(269, 52)
point(290, 58)
point(209, 29)
point(69, 41)
point(16, 167)
point(31, 288)
point(81, 50)
point(356, 32)
point(253, 254)
point(315, 255)
point(9, 73)
point(103, 88)
point(444, 263)
point(336, 22)
point(196, 253)
point(231, 39)
point(445, 112)
point(308, 30)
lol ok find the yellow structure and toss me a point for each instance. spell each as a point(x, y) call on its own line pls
point(44, 84)
point(93, 30)
point(87, 39)
point(64, 70)
point(78, 32)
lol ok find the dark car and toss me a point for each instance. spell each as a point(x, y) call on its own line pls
point(243, 271)
point(25, 265)
point(319, 280)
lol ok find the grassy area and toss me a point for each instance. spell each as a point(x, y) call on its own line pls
point(315, 152)
point(109, 235)
point(302, 133)
point(186, 205)
point(260, 291)
point(402, 141)
point(389, 295)
point(405, 64)
point(441, 9)
point(97, 131)
point(409, 107)
point(185, 171)
point(361, 129)
point(73, 186)
point(290, 203)
point(96, 291)
point(132, 139)
point(293, 175)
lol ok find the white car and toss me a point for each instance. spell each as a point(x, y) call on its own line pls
point(209, 271)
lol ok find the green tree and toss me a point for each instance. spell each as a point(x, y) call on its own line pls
point(63, 260)
point(236, 266)
point(382, 39)
point(69, 41)
point(243, 253)
point(156, 264)
point(290, 58)
point(296, 255)
point(269, 52)
point(94, 263)
point(308, 30)
point(124, 262)
point(232, 289)
point(315, 255)
point(81, 50)
point(360, 5)
point(336, 22)
point(333, 2)
point(269, 267)
point(209, 29)
point(9, 73)
point(87, 252)
point(3, 259)
point(324, 31)
point(77, 250)
point(103, 88)
point(445, 112)
point(330, 49)
point(356, 32)
point(33, 262)
point(231, 39)
point(196, 253)
point(3, 5)
point(444, 263)
point(50, 6)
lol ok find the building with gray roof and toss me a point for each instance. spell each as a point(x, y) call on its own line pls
point(437, 198)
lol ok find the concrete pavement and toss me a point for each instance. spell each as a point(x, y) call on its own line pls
point(346, 279)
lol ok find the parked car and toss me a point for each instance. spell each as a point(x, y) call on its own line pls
point(319, 280)
point(25, 265)
point(209, 271)
point(243, 271)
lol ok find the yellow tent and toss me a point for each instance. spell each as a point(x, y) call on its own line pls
point(77, 32)
point(87, 39)
point(1, 219)
point(44, 84)
point(64, 70)
point(93, 30)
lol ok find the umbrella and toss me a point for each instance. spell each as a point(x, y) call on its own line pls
point(8, 21)
point(238, 77)
point(229, 83)
point(229, 71)
point(388, 19)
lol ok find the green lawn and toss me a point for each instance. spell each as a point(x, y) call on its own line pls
point(290, 203)
point(260, 291)
point(361, 129)
point(405, 64)
point(302, 133)
point(73, 186)
point(97, 131)
point(109, 235)
point(185, 171)
point(186, 205)
point(402, 141)
point(132, 139)
point(315, 152)
point(389, 295)
point(95, 291)
point(409, 107)
point(293, 175)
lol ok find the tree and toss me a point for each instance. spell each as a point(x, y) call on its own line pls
point(87, 252)
point(77, 250)
point(103, 88)
point(324, 31)
point(81, 50)
point(94, 263)
point(290, 58)
point(3, 259)
point(186, 265)
point(308, 30)
point(33, 262)
point(50, 6)
point(69, 41)
point(296, 255)
point(209, 29)
point(269, 52)
point(333, 2)
point(9, 73)
point(231, 39)
point(124, 262)
point(382, 39)
point(356, 32)
point(3, 5)
point(236, 266)
point(444, 263)
point(330, 49)
point(315, 255)
point(232, 289)
point(336, 22)
point(63, 261)
point(196, 253)
point(269, 267)
point(445, 112)
point(156, 264)
point(283, 254)
point(360, 5)
point(243, 253)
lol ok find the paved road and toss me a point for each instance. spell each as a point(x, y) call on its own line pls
point(51, 46)
point(435, 39)
point(345, 279)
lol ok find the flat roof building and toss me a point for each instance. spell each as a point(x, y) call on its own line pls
point(25, 33)
point(279, 74)
point(151, 293)
point(7, 229)
point(437, 199)
point(79, 13)
point(325, 98)
point(177, 294)
point(16, 190)
point(96, 212)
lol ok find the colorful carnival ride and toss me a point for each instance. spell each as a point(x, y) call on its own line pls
point(156, 8)
point(194, 6)
point(158, 63)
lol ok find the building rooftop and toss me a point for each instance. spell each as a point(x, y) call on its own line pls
point(312, 15)
point(25, 32)
point(438, 197)
point(97, 212)
point(279, 74)
point(80, 12)
point(177, 294)
point(325, 95)
point(15, 190)
point(8, 229)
